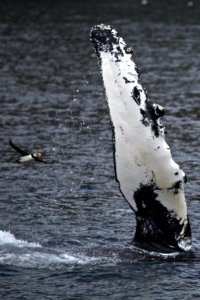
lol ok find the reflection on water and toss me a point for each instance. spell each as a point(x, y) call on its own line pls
point(52, 100)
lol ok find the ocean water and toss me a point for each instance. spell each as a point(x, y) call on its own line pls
point(52, 100)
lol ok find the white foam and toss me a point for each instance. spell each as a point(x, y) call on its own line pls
point(41, 260)
point(7, 238)
point(22, 253)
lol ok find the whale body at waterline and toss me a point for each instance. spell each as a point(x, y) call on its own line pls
point(149, 179)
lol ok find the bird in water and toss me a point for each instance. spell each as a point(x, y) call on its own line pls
point(25, 156)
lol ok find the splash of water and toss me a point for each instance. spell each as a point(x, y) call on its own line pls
point(26, 254)
point(7, 238)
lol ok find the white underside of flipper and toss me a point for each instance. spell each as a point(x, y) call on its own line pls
point(140, 157)
point(143, 161)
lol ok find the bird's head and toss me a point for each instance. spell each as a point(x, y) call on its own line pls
point(37, 155)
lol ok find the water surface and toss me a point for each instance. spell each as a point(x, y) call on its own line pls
point(52, 99)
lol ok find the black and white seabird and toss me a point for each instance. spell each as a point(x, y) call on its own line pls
point(149, 179)
point(25, 156)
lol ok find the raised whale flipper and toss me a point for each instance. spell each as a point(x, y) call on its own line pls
point(22, 152)
point(148, 177)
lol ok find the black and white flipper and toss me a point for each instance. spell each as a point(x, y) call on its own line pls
point(148, 177)
point(25, 156)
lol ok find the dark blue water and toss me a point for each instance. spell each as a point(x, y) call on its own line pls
point(52, 100)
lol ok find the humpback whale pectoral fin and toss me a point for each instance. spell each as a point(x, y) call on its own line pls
point(148, 177)
point(121, 74)
point(158, 223)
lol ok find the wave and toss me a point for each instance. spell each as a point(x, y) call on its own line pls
point(7, 238)
point(21, 253)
